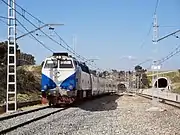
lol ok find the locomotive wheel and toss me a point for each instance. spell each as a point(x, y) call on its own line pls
point(88, 93)
point(50, 103)
point(52, 100)
point(80, 94)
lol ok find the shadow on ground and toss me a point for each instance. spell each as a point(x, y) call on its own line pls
point(103, 103)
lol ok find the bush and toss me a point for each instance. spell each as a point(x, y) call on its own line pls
point(27, 84)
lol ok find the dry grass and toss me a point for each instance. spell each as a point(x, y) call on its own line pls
point(28, 83)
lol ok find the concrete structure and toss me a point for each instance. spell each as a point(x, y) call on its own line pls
point(163, 83)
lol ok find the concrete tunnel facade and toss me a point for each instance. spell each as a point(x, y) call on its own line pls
point(121, 86)
point(162, 82)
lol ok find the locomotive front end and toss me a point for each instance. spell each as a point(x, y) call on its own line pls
point(58, 82)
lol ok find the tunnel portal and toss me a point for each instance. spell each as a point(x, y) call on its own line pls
point(121, 87)
point(162, 83)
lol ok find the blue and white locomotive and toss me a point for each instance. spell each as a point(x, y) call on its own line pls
point(65, 79)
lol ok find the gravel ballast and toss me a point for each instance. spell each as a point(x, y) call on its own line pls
point(4, 124)
point(110, 115)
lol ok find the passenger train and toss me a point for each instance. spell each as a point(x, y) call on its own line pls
point(65, 79)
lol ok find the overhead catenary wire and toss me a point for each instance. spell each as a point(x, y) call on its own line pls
point(35, 37)
point(147, 35)
point(171, 54)
point(154, 13)
point(43, 31)
point(16, 28)
point(79, 56)
point(25, 11)
point(37, 27)
point(156, 6)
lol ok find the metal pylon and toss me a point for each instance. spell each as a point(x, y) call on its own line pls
point(11, 60)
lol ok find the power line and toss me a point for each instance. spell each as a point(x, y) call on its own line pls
point(44, 23)
point(25, 11)
point(69, 46)
point(79, 56)
point(37, 39)
point(27, 31)
point(41, 30)
point(156, 6)
point(144, 41)
point(171, 54)
point(3, 21)
point(3, 17)
point(34, 36)
point(16, 28)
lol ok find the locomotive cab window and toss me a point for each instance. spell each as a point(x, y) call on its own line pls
point(65, 64)
point(51, 64)
point(75, 63)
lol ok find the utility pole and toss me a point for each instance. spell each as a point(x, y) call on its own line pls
point(11, 60)
point(155, 64)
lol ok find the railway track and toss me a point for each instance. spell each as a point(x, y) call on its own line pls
point(6, 117)
point(20, 105)
point(23, 121)
point(11, 122)
point(161, 98)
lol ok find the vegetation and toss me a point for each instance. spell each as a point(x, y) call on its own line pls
point(28, 78)
point(141, 77)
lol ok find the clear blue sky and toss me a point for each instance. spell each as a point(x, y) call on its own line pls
point(108, 30)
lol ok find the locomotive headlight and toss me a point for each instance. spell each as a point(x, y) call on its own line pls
point(54, 92)
point(70, 87)
point(45, 87)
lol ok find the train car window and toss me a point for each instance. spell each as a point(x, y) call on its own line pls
point(87, 69)
point(51, 64)
point(84, 68)
point(65, 64)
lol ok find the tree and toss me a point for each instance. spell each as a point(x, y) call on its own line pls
point(138, 68)
point(105, 73)
point(141, 77)
point(3, 55)
point(114, 71)
point(179, 70)
point(145, 80)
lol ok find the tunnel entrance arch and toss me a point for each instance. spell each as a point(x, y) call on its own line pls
point(121, 87)
point(163, 83)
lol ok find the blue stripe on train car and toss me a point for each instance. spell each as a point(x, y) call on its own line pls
point(69, 83)
point(46, 81)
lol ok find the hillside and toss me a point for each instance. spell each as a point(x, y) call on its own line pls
point(174, 76)
point(28, 83)
point(28, 77)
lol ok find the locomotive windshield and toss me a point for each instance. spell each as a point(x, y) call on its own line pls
point(51, 64)
point(65, 64)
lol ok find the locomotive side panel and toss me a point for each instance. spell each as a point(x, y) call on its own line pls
point(94, 80)
point(107, 86)
point(101, 85)
point(85, 81)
